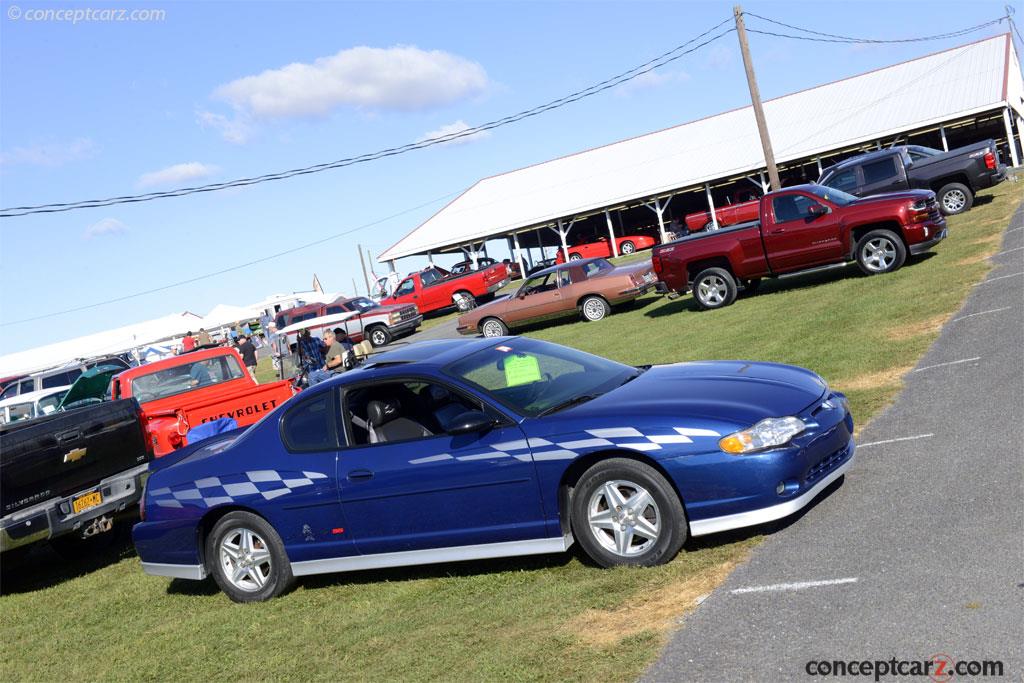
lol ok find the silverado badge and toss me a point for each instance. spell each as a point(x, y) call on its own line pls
point(74, 455)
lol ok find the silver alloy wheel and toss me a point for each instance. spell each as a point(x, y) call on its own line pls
point(245, 559)
point(627, 248)
point(624, 518)
point(575, 257)
point(712, 290)
point(492, 328)
point(594, 309)
point(954, 201)
point(878, 254)
point(378, 338)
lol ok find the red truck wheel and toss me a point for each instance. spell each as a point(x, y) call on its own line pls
point(880, 251)
point(714, 288)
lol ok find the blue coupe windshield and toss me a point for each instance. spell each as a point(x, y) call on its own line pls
point(536, 378)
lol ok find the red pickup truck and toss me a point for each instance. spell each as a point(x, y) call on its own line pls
point(435, 288)
point(182, 392)
point(744, 209)
point(801, 228)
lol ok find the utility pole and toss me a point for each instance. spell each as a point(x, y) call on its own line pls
point(366, 279)
point(755, 100)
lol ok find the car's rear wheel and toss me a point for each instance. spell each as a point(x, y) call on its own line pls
point(880, 251)
point(714, 288)
point(492, 327)
point(247, 558)
point(464, 301)
point(624, 512)
point(380, 336)
point(627, 247)
point(955, 198)
point(594, 308)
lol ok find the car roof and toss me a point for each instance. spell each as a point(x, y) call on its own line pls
point(30, 396)
point(570, 264)
point(861, 158)
point(433, 352)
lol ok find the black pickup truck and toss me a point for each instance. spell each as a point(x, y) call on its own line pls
point(955, 176)
point(70, 473)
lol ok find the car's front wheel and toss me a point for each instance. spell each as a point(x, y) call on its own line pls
point(625, 513)
point(247, 559)
point(492, 327)
point(380, 336)
point(880, 251)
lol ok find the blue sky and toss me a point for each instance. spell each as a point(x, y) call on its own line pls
point(96, 109)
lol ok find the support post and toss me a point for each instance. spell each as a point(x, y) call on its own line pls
point(755, 100)
point(430, 259)
point(764, 184)
point(611, 233)
point(711, 206)
point(1020, 132)
point(519, 255)
point(366, 278)
point(820, 169)
point(878, 144)
point(562, 232)
point(1010, 142)
point(942, 134)
point(391, 265)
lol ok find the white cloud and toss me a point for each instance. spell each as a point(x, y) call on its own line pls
point(451, 129)
point(174, 175)
point(403, 78)
point(237, 129)
point(650, 80)
point(50, 154)
point(108, 227)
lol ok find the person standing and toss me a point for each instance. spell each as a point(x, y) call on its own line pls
point(248, 352)
point(188, 342)
point(204, 337)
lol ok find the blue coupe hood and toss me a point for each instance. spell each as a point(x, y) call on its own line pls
point(741, 392)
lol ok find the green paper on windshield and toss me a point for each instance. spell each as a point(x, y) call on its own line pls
point(521, 370)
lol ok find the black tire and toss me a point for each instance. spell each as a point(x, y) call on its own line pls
point(593, 308)
point(602, 544)
point(464, 301)
point(880, 251)
point(714, 288)
point(493, 327)
point(710, 225)
point(573, 256)
point(275, 571)
point(749, 287)
point(627, 247)
point(954, 198)
point(379, 335)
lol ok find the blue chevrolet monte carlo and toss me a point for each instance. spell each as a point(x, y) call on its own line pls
point(467, 449)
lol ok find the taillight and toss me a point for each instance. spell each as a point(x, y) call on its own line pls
point(990, 161)
point(656, 262)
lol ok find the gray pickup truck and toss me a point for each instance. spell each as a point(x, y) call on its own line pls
point(67, 475)
point(954, 176)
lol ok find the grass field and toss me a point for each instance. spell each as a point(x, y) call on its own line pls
point(547, 618)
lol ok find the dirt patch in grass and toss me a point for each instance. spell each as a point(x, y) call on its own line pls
point(991, 240)
point(657, 611)
point(971, 260)
point(928, 326)
point(889, 377)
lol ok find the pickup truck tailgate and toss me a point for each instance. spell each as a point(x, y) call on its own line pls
point(62, 453)
point(245, 408)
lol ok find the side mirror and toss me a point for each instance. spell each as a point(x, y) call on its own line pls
point(815, 210)
point(471, 421)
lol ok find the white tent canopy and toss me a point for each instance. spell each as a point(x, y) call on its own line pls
point(876, 105)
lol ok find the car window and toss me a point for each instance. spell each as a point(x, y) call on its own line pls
point(564, 277)
point(331, 310)
point(792, 207)
point(460, 268)
point(404, 410)
point(429, 277)
point(360, 304)
point(49, 404)
point(311, 425)
point(20, 411)
point(845, 180)
point(880, 171)
point(60, 379)
point(10, 392)
point(182, 378)
point(407, 287)
point(541, 283)
point(596, 267)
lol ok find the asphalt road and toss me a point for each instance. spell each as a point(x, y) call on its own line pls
point(921, 550)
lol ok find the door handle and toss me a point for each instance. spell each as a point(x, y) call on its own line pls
point(69, 435)
point(360, 475)
point(777, 232)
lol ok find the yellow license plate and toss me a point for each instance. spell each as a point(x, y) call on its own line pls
point(89, 500)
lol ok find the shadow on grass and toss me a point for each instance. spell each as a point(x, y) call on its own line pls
point(982, 200)
point(39, 566)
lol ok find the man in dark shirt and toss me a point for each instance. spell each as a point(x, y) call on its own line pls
point(248, 352)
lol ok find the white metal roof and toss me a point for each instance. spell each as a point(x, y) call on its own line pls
point(931, 89)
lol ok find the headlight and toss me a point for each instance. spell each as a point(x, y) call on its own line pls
point(768, 433)
point(919, 205)
point(395, 317)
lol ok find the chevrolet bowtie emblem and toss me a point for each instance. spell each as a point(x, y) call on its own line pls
point(74, 455)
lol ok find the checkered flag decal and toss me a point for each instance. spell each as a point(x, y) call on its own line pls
point(212, 491)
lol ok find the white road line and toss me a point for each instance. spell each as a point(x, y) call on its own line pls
point(800, 585)
point(1015, 229)
point(1005, 251)
point(902, 438)
point(1001, 277)
point(971, 315)
point(952, 362)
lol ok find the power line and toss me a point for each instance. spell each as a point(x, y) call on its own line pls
point(658, 62)
point(836, 38)
point(229, 269)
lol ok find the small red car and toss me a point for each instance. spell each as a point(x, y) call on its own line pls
point(184, 391)
point(602, 248)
